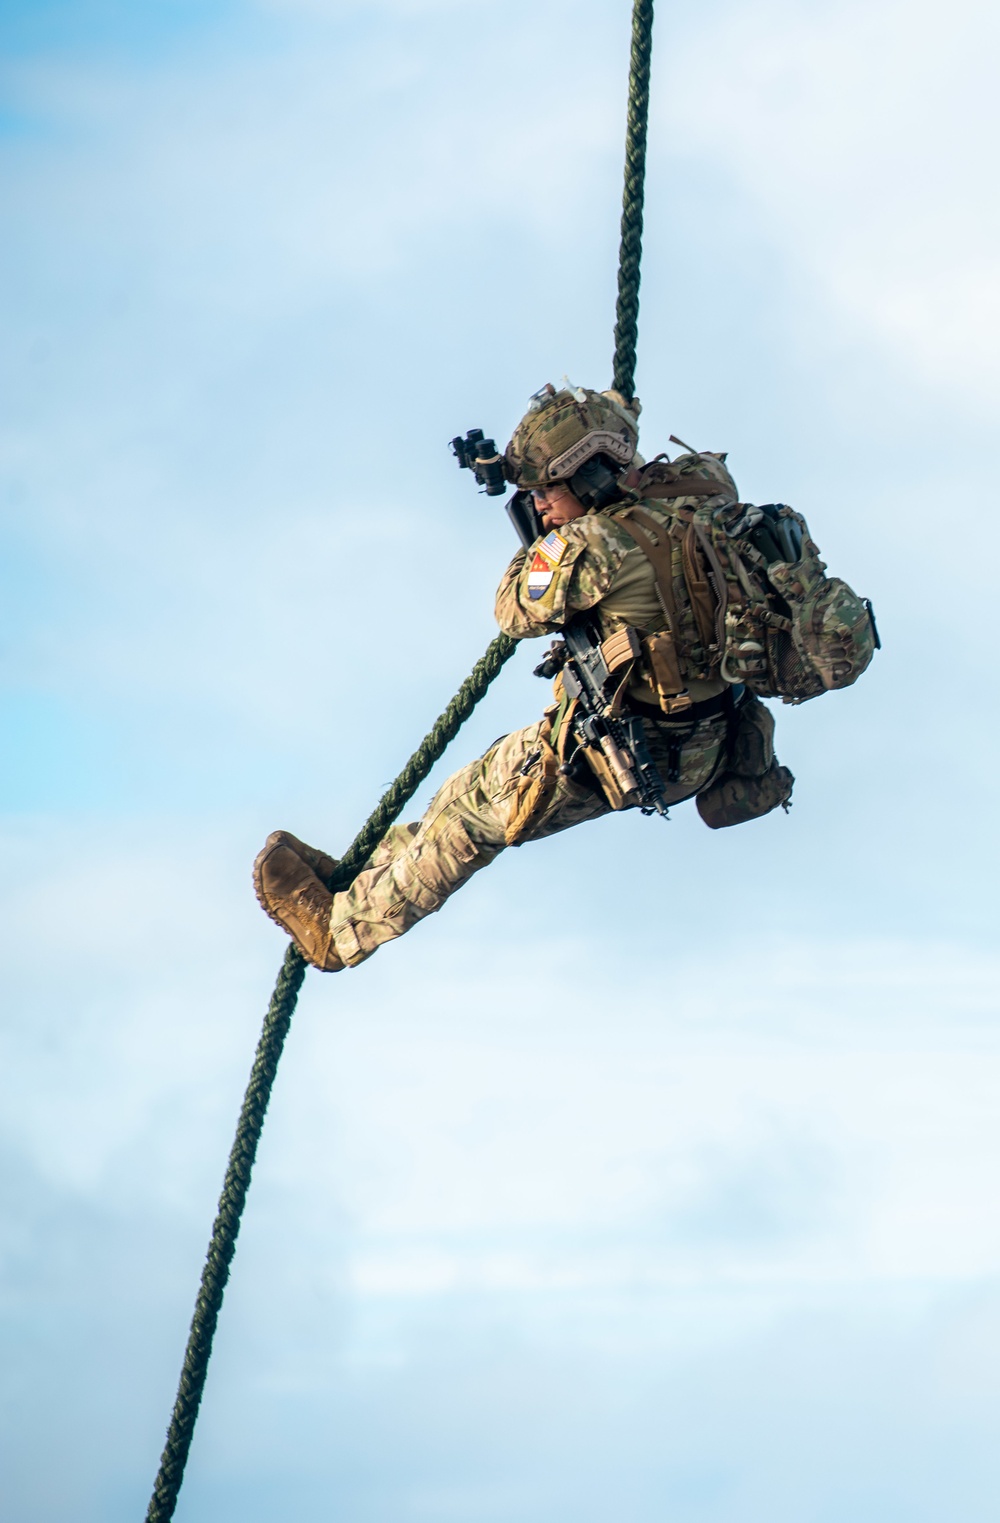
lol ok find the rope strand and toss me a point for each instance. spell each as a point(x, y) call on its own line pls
point(277, 1021)
point(630, 251)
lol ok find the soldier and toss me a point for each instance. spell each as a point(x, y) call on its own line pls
point(715, 603)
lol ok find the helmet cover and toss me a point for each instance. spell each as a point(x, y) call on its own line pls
point(563, 429)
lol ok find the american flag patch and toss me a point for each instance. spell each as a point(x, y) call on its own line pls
point(554, 546)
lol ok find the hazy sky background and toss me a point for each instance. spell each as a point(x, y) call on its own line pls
point(656, 1177)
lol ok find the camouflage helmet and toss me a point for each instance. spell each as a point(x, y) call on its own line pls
point(563, 429)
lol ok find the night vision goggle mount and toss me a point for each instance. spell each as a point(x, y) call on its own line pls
point(594, 483)
point(480, 456)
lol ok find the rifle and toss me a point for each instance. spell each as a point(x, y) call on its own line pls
point(592, 674)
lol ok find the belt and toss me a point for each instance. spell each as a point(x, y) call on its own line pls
point(722, 703)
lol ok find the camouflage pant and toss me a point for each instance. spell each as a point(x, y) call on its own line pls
point(511, 795)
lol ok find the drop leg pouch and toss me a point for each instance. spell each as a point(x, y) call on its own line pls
point(754, 782)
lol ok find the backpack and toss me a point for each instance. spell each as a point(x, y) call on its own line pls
point(745, 590)
point(790, 631)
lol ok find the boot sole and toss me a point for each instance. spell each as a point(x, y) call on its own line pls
point(306, 854)
point(276, 838)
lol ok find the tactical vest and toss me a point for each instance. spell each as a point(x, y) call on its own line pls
point(785, 631)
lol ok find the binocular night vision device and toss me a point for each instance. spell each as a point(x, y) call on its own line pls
point(480, 456)
point(594, 483)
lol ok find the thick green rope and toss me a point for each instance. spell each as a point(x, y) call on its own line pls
point(630, 252)
point(272, 1039)
point(286, 991)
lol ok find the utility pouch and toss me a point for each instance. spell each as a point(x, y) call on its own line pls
point(604, 773)
point(665, 670)
point(751, 745)
point(532, 791)
point(754, 782)
point(835, 632)
point(621, 648)
point(733, 800)
point(699, 588)
point(746, 649)
point(621, 651)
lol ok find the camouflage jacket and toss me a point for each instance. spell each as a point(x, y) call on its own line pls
point(783, 628)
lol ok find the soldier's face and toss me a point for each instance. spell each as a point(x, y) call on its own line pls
point(557, 505)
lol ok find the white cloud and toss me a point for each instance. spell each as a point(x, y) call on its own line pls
point(827, 1120)
point(273, 177)
point(862, 138)
point(745, 1115)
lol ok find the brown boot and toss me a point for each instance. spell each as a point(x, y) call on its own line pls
point(322, 864)
point(291, 893)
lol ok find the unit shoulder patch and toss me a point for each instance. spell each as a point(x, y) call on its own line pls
point(540, 574)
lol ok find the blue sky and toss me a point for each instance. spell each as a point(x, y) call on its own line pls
point(654, 1177)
